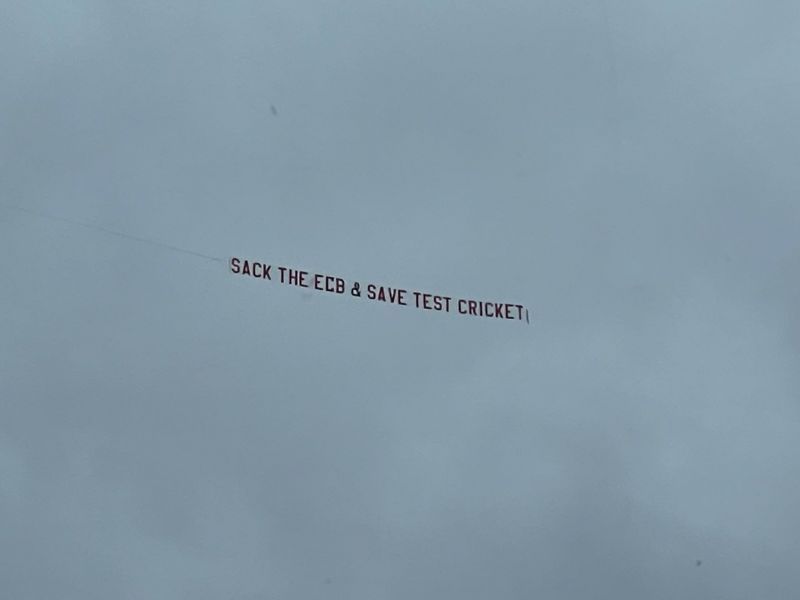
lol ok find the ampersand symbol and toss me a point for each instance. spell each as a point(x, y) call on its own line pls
point(356, 291)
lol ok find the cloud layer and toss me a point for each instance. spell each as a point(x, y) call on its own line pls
point(626, 170)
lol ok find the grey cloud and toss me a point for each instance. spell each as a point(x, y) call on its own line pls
point(626, 170)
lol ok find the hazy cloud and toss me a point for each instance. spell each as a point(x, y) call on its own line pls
point(628, 170)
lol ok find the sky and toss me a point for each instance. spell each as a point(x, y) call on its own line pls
point(627, 170)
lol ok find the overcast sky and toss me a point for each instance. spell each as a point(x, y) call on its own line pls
point(627, 170)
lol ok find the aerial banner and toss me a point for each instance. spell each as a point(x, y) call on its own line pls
point(422, 300)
